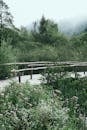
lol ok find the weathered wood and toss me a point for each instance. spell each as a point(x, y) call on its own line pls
point(27, 63)
point(41, 62)
point(67, 66)
point(31, 72)
point(19, 77)
point(41, 65)
point(21, 70)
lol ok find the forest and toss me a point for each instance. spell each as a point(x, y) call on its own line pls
point(58, 105)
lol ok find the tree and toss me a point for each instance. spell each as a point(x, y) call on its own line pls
point(46, 31)
point(6, 19)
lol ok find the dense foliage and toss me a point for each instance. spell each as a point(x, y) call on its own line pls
point(74, 94)
point(6, 56)
point(69, 87)
point(26, 107)
point(60, 104)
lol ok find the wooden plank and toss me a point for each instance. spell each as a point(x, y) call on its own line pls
point(21, 70)
point(19, 77)
point(66, 67)
point(41, 62)
point(42, 65)
point(26, 63)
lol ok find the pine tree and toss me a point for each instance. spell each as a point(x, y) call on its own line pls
point(6, 19)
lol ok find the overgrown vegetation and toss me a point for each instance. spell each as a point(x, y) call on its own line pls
point(26, 107)
point(6, 56)
point(74, 95)
point(69, 87)
point(60, 104)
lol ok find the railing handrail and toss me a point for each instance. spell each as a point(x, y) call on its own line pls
point(44, 62)
point(42, 65)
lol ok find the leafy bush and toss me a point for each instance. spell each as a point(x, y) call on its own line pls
point(70, 88)
point(6, 56)
point(25, 107)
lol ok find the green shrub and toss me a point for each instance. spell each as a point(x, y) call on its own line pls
point(6, 56)
point(25, 107)
point(70, 87)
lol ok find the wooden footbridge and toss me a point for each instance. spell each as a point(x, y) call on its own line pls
point(68, 66)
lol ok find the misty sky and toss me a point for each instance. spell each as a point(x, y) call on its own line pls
point(27, 11)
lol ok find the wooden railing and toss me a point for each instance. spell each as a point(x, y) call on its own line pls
point(43, 65)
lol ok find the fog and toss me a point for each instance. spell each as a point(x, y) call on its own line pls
point(73, 25)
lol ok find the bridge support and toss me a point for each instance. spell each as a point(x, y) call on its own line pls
point(31, 72)
point(76, 75)
point(19, 77)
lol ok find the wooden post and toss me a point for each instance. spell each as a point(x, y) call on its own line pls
point(19, 77)
point(31, 72)
point(76, 75)
point(84, 72)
